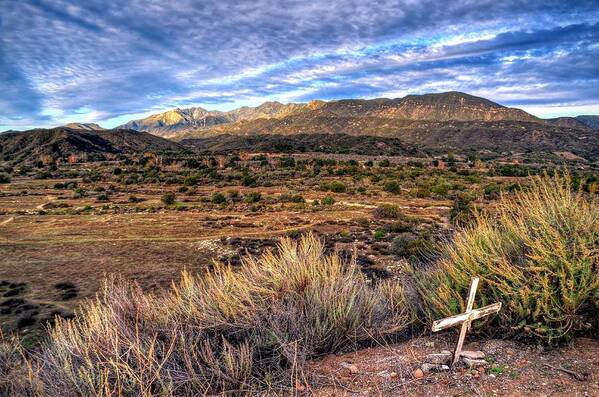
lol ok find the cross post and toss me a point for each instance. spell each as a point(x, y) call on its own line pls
point(466, 318)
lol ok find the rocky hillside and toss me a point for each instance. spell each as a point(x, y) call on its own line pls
point(84, 126)
point(570, 122)
point(176, 121)
point(369, 135)
point(448, 106)
point(327, 116)
point(29, 146)
point(589, 121)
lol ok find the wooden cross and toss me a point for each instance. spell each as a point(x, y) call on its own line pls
point(466, 318)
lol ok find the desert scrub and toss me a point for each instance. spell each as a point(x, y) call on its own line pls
point(537, 253)
point(227, 330)
point(168, 198)
point(387, 211)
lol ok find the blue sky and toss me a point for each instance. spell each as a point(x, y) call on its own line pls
point(112, 61)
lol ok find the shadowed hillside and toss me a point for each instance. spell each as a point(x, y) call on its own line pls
point(28, 146)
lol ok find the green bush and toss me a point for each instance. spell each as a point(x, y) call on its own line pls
point(102, 197)
point(405, 224)
point(168, 198)
point(218, 198)
point(440, 189)
point(492, 191)
point(4, 178)
point(190, 180)
point(402, 244)
point(408, 245)
point(335, 187)
point(379, 234)
point(421, 192)
point(253, 197)
point(387, 211)
point(328, 200)
point(462, 211)
point(392, 187)
point(537, 253)
point(292, 198)
point(248, 180)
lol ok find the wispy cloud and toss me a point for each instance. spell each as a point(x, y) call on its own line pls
point(104, 60)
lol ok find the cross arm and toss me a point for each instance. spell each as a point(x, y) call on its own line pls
point(468, 316)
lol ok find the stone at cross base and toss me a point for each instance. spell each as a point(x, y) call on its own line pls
point(465, 319)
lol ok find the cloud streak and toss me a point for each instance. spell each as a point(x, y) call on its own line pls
point(65, 60)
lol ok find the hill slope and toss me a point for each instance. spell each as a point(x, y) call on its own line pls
point(463, 137)
point(590, 121)
point(59, 142)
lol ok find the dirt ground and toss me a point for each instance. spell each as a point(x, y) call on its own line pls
point(513, 369)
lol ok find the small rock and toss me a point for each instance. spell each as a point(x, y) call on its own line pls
point(384, 374)
point(299, 387)
point(393, 374)
point(474, 355)
point(427, 367)
point(470, 363)
point(438, 358)
point(353, 369)
point(418, 374)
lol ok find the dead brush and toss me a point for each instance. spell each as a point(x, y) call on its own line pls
point(538, 253)
point(227, 331)
point(16, 376)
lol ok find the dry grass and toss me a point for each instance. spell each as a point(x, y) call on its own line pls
point(223, 332)
point(538, 253)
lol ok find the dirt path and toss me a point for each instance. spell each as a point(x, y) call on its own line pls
point(260, 233)
point(7, 221)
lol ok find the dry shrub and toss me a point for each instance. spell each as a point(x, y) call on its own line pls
point(225, 331)
point(538, 254)
point(15, 374)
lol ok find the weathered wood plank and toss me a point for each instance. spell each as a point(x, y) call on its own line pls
point(449, 322)
point(485, 311)
point(457, 319)
point(466, 324)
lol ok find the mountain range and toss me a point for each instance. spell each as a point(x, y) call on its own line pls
point(378, 117)
point(412, 125)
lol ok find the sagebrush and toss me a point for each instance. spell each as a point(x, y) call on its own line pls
point(537, 252)
point(226, 331)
